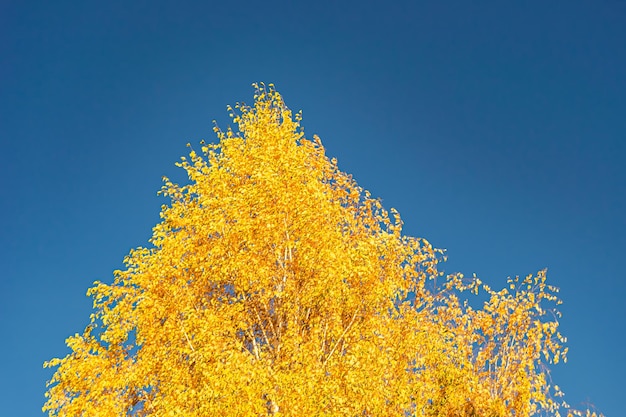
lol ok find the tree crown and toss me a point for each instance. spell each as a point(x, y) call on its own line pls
point(276, 285)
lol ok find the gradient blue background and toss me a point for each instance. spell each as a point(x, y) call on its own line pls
point(497, 129)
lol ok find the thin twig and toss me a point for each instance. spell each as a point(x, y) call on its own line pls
point(340, 338)
point(187, 337)
point(267, 340)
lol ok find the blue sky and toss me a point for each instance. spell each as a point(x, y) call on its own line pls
point(498, 130)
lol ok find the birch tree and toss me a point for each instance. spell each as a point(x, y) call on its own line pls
point(275, 285)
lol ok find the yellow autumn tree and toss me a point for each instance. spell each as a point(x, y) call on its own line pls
point(275, 285)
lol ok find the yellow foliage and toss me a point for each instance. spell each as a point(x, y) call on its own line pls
point(276, 285)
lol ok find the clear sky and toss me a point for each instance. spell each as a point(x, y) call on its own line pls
point(497, 129)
